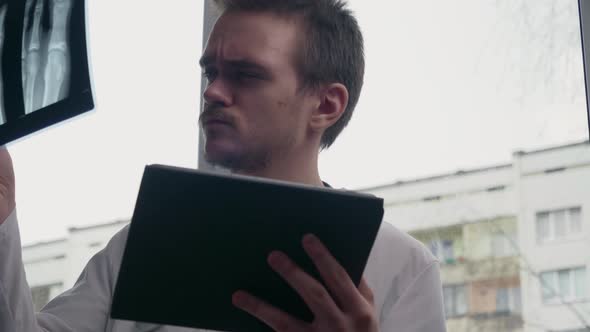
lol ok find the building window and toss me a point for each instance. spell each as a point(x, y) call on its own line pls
point(40, 296)
point(558, 224)
point(508, 300)
point(455, 299)
point(443, 250)
point(564, 285)
point(503, 244)
point(43, 294)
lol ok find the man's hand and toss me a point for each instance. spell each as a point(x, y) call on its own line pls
point(350, 308)
point(7, 200)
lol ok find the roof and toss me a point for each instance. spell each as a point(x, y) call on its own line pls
point(474, 170)
point(552, 148)
point(439, 176)
point(84, 228)
point(43, 243)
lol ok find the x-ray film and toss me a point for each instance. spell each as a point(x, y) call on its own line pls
point(584, 10)
point(44, 72)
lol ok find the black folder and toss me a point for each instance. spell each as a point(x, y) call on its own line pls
point(197, 237)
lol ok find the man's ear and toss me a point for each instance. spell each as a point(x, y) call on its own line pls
point(333, 102)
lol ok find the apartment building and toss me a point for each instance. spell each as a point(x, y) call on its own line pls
point(468, 220)
point(554, 236)
point(513, 240)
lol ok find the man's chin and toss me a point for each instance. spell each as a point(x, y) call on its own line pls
point(235, 161)
point(221, 157)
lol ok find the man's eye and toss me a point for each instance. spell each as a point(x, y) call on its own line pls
point(209, 74)
point(246, 75)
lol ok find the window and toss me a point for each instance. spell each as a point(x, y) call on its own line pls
point(40, 296)
point(503, 244)
point(443, 250)
point(508, 300)
point(455, 300)
point(576, 220)
point(43, 294)
point(563, 285)
point(558, 224)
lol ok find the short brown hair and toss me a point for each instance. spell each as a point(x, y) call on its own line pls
point(333, 50)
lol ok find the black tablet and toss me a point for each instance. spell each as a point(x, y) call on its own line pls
point(196, 237)
point(44, 66)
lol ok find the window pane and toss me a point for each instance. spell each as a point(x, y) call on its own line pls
point(458, 248)
point(448, 299)
point(434, 248)
point(40, 296)
point(516, 301)
point(502, 300)
point(580, 283)
point(564, 284)
point(559, 224)
point(448, 253)
point(542, 227)
point(461, 298)
point(548, 285)
point(575, 220)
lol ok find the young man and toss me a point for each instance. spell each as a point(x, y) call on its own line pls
point(283, 80)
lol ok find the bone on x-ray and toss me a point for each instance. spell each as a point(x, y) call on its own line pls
point(46, 53)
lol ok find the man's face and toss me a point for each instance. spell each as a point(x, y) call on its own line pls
point(255, 110)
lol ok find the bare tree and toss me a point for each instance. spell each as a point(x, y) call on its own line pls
point(538, 44)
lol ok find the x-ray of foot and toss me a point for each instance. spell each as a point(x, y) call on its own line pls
point(57, 70)
point(49, 81)
point(32, 58)
point(27, 24)
point(2, 17)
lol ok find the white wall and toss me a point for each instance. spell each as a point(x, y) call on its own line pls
point(462, 198)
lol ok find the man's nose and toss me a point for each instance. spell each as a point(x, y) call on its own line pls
point(217, 93)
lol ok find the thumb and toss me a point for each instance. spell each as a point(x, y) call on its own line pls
point(7, 188)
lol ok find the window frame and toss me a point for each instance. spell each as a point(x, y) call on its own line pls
point(454, 311)
point(569, 234)
point(555, 288)
point(513, 300)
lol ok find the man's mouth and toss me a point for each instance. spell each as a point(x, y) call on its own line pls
point(216, 122)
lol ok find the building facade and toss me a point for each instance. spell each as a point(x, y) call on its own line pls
point(554, 236)
point(513, 240)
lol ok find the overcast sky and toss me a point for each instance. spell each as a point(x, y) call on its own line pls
point(449, 85)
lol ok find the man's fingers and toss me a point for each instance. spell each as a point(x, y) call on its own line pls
point(366, 291)
point(312, 292)
point(277, 319)
point(333, 274)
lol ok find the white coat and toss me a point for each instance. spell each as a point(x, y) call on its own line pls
point(402, 273)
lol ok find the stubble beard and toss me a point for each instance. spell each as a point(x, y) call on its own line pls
point(253, 160)
point(247, 162)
